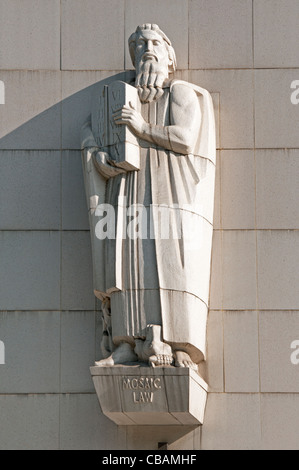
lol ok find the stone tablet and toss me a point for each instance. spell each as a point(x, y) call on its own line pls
point(117, 140)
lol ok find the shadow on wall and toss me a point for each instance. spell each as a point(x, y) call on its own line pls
point(42, 193)
point(56, 128)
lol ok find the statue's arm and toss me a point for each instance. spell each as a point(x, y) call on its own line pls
point(100, 159)
point(185, 118)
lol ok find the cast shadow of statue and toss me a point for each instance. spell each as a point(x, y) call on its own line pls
point(58, 127)
point(40, 145)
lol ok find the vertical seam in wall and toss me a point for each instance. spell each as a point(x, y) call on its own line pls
point(252, 39)
point(60, 304)
point(221, 240)
point(60, 267)
point(254, 158)
point(60, 32)
point(223, 351)
point(255, 220)
point(255, 187)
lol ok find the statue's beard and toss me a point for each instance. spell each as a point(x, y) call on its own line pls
point(150, 77)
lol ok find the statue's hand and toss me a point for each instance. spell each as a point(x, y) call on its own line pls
point(105, 166)
point(132, 118)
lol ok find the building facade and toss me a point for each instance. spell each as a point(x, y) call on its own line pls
point(52, 54)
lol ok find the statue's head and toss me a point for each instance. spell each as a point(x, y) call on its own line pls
point(153, 58)
point(150, 38)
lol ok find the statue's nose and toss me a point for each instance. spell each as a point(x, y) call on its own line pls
point(149, 46)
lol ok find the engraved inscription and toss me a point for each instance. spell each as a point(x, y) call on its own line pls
point(116, 139)
point(101, 135)
point(142, 388)
point(117, 133)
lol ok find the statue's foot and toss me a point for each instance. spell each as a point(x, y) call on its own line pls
point(182, 359)
point(122, 354)
point(155, 350)
point(161, 360)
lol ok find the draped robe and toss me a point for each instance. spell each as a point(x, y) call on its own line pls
point(158, 279)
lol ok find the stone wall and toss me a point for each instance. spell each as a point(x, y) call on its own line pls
point(52, 53)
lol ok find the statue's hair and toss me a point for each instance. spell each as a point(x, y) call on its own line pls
point(156, 29)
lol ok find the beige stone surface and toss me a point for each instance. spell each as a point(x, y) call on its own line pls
point(239, 270)
point(278, 259)
point(30, 270)
point(275, 33)
point(37, 206)
point(37, 335)
point(277, 189)
point(76, 271)
point(86, 38)
point(37, 418)
point(220, 34)
point(232, 422)
point(30, 34)
point(236, 90)
point(237, 189)
point(279, 421)
point(241, 352)
point(53, 406)
point(82, 426)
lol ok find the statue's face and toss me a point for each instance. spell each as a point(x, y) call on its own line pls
point(152, 48)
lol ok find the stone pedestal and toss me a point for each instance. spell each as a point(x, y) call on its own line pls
point(137, 395)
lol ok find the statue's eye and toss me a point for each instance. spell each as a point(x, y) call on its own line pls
point(156, 42)
point(140, 42)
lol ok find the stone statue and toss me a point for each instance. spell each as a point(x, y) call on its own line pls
point(154, 288)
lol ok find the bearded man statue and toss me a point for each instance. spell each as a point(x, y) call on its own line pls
point(158, 312)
